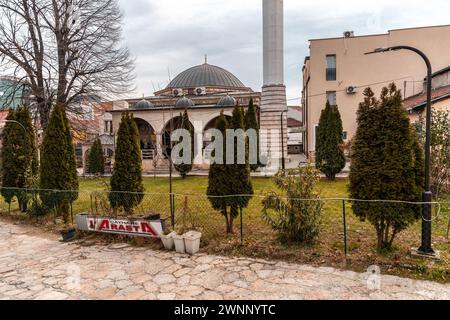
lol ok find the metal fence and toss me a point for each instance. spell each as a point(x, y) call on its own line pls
point(340, 230)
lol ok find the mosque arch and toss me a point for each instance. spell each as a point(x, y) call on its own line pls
point(147, 139)
point(211, 125)
point(172, 125)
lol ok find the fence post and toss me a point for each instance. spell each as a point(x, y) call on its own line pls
point(345, 227)
point(71, 212)
point(242, 227)
point(172, 210)
point(448, 227)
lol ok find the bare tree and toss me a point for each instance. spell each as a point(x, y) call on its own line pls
point(65, 50)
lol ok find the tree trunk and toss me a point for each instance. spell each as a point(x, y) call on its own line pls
point(230, 225)
point(225, 214)
point(23, 205)
point(380, 235)
point(44, 109)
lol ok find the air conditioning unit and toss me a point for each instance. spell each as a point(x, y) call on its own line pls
point(177, 92)
point(200, 91)
point(351, 89)
point(349, 34)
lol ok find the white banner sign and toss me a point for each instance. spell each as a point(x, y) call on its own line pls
point(137, 227)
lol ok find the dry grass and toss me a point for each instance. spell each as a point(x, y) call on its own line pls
point(192, 207)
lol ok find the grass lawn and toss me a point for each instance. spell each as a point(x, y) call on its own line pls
point(191, 206)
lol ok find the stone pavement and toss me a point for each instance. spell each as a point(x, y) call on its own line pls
point(35, 267)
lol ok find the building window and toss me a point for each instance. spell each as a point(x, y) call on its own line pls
point(108, 127)
point(331, 98)
point(331, 67)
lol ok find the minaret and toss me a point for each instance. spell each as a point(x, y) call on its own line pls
point(273, 100)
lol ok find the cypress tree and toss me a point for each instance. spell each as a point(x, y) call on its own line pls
point(126, 182)
point(252, 123)
point(330, 158)
point(239, 174)
point(20, 158)
point(218, 187)
point(184, 168)
point(58, 170)
point(387, 164)
point(27, 155)
point(96, 161)
point(9, 157)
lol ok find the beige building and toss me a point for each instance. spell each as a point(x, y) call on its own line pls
point(416, 104)
point(338, 70)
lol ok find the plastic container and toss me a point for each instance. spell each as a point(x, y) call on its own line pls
point(192, 242)
point(167, 240)
point(179, 243)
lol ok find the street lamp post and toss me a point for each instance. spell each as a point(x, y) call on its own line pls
point(425, 247)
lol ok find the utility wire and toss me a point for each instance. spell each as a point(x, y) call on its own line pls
point(343, 90)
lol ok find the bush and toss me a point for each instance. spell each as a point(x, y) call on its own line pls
point(251, 122)
point(440, 151)
point(184, 168)
point(126, 182)
point(58, 169)
point(96, 161)
point(19, 156)
point(387, 164)
point(228, 182)
point(295, 219)
point(330, 158)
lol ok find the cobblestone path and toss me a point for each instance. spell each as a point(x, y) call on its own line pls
point(34, 267)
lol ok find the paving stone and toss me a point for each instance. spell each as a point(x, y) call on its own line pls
point(34, 267)
point(184, 280)
point(182, 272)
point(166, 296)
point(52, 295)
point(162, 279)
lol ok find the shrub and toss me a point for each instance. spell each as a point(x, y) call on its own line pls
point(251, 122)
point(184, 168)
point(20, 156)
point(387, 164)
point(96, 161)
point(294, 218)
point(126, 182)
point(58, 169)
point(440, 151)
point(330, 157)
point(225, 181)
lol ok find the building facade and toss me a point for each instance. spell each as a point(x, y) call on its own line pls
point(416, 104)
point(204, 91)
point(338, 70)
point(13, 93)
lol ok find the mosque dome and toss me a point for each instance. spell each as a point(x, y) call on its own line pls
point(143, 104)
point(227, 101)
point(184, 103)
point(205, 75)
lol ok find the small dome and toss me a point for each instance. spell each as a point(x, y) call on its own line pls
point(184, 103)
point(227, 101)
point(143, 104)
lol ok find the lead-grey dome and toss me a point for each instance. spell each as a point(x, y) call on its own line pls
point(205, 75)
point(143, 104)
point(227, 101)
point(184, 103)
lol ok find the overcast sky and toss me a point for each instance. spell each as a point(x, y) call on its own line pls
point(168, 36)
